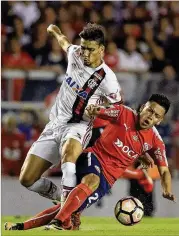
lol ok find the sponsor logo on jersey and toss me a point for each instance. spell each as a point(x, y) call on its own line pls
point(79, 91)
point(125, 149)
point(112, 113)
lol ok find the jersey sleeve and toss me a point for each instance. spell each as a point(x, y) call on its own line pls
point(112, 113)
point(158, 153)
point(111, 88)
point(73, 50)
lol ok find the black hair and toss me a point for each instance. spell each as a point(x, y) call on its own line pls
point(93, 32)
point(162, 100)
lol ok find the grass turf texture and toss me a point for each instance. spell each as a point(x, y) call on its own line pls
point(104, 226)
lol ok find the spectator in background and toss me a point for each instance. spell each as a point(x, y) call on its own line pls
point(12, 146)
point(152, 50)
point(55, 60)
point(172, 45)
point(169, 85)
point(164, 130)
point(26, 126)
point(175, 151)
point(17, 59)
point(133, 65)
point(39, 46)
point(50, 16)
point(164, 30)
point(130, 60)
point(111, 56)
point(19, 32)
point(27, 11)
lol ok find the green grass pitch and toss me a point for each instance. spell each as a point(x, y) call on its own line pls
point(105, 226)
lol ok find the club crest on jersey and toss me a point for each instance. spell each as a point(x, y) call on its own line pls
point(146, 147)
point(92, 83)
point(79, 91)
point(135, 138)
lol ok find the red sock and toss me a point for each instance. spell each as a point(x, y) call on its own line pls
point(75, 199)
point(42, 218)
point(133, 174)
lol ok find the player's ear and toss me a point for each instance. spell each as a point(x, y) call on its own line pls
point(102, 48)
point(141, 108)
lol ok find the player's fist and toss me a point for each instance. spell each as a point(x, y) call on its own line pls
point(169, 196)
point(53, 29)
point(146, 161)
point(92, 110)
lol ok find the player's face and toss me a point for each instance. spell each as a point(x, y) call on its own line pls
point(91, 53)
point(151, 114)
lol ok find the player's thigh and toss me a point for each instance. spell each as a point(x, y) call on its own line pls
point(33, 167)
point(74, 139)
point(71, 149)
point(40, 157)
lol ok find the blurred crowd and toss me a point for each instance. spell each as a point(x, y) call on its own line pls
point(141, 37)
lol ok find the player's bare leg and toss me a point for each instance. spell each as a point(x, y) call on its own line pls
point(75, 199)
point(70, 153)
point(31, 177)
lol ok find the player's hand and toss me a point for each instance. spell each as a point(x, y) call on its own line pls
point(146, 161)
point(169, 196)
point(53, 29)
point(92, 110)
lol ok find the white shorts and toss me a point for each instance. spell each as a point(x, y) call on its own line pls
point(49, 144)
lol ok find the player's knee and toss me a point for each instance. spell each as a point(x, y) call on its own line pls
point(71, 151)
point(69, 156)
point(92, 181)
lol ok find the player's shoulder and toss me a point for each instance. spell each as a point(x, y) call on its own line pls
point(73, 49)
point(156, 134)
point(129, 110)
point(109, 73)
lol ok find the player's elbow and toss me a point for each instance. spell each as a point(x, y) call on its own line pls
point(92, 181)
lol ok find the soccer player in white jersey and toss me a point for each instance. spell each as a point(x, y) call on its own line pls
point(88, 80)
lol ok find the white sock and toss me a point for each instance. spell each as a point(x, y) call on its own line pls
point(69, 179)
point(69, 174)
point(46, 188)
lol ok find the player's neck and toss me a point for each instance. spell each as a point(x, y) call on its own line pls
point(96, 64)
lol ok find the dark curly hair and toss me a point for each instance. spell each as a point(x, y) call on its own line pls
point(93, 32)
point(162, 100)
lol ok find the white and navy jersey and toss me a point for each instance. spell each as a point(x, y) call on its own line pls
point(83, 86)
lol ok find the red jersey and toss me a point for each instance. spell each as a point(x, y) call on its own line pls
point(121, 143)
point(12, 152)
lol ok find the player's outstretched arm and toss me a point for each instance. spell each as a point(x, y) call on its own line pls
point(61, 38)
point(166, 183)
point(111, 113)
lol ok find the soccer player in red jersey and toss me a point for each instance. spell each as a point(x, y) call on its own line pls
point(128, 136)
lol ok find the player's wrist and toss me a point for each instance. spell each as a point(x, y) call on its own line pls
point(101, 111)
